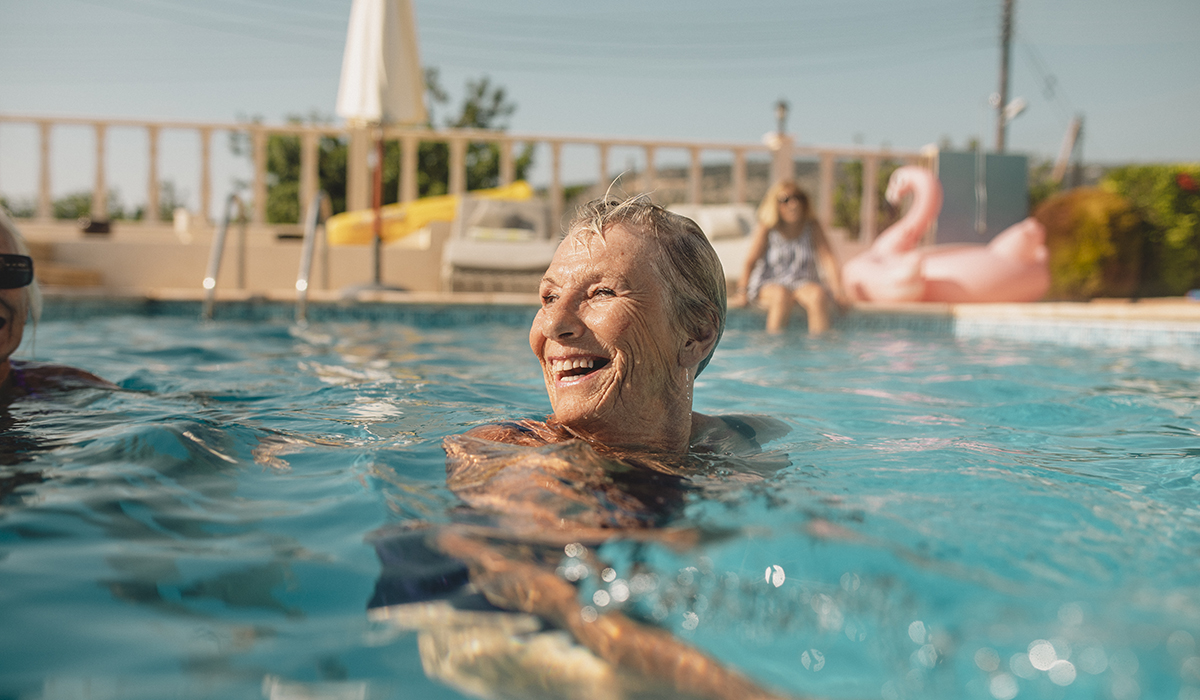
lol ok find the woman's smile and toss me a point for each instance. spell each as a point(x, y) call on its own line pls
point(573, 370)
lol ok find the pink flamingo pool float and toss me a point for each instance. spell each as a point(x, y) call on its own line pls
point(1012, 267)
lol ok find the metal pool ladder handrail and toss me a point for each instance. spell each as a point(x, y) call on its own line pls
point(218, 250)
point(318, 212)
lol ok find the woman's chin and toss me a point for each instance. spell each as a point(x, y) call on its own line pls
point(576, 417)
point(590, 417)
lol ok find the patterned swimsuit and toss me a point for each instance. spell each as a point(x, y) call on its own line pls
point(789, 262)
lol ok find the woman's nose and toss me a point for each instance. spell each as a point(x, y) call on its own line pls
point(561, 321)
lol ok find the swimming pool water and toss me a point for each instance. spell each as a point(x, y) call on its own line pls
point(960, 519)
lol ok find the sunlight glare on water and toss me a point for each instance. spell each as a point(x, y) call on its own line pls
point(945, 519)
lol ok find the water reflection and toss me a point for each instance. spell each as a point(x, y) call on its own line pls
point(495, 595)
point(18, 446)
point(148, 513)
point(1051, 502)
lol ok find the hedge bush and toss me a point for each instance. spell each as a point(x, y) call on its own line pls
point(1137, 234)
point(1096, 242)
point(1167, 197)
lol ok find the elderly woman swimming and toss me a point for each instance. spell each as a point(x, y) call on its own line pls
point(632, 307)
point(21, 303)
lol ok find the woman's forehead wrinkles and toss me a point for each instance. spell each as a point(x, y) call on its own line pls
point(586, 238)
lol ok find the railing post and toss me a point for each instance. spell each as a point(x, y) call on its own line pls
point(206, 175)
point(651, 174)
point(151, 214)
point(458, 165)
point(603, 156)
point(695, 176)
point(825, 191)
point(556, 188)
point(100, 186)
point(783, 166)
point(45, 210)
point(870, 198)
point(258, 139)
point(409, 149)
point(508, 167)
point(308, 170)
point(739, 175)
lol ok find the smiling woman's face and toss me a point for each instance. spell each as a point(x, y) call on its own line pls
point(609, 348)
point(791, 208)
point(13, 309)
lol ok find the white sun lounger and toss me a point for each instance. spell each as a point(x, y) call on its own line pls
point(498, 246)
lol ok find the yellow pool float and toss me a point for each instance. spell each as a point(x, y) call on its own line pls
point(399, 220)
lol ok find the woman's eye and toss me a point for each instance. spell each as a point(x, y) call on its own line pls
point(604, 292)
point(548, 299)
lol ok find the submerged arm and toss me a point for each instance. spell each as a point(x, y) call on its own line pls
point(652, 653)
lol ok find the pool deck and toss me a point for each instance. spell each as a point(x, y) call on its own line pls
point(1101, 322)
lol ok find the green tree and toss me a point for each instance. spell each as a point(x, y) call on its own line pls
point(1096, 241)
point(18, 208)
point(847, 197)
point(76, 205)
point(1167, 197)
point(169, 199)
point(1041, 183)
point(484, 106)
point(73, 205)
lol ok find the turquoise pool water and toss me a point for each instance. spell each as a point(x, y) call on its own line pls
point(960, 518)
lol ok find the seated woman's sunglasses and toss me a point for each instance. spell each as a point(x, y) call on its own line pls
point(16, 271)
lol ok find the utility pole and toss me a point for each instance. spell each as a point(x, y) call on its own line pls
point(1002, 102)
point(1069, 147)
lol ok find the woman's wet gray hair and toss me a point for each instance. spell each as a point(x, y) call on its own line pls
point(687, 263)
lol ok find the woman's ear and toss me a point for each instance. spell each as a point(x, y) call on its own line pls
point(697, 346)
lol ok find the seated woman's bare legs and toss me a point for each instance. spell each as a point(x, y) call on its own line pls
point(816, 303)
point(778, 301)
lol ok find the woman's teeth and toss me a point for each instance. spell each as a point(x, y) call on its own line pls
point(567, 365)
point(574, 366)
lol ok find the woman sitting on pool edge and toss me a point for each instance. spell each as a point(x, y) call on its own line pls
point(790, 262)
point(633, 305)
point(21, 302)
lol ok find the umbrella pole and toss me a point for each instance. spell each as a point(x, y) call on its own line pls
point(378, 219)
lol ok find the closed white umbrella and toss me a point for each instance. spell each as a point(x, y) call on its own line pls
point(382, 81)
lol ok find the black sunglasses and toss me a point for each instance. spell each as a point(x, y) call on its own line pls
point(788, 199)
point(16, 271)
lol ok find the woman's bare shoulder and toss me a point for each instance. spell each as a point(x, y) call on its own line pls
point(519, 432)
point(742, 433)
point(41, 376)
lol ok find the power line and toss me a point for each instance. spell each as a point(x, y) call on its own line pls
point(1052, 90)
point(189, 15)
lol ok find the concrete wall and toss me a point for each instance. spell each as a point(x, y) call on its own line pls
point(137, 258)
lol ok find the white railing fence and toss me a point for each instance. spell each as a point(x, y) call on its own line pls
point(735, 155)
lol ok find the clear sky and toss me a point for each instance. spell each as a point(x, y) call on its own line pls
point(854, 71)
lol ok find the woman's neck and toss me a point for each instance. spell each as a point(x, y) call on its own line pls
point(669, 432)
point(792, 228)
